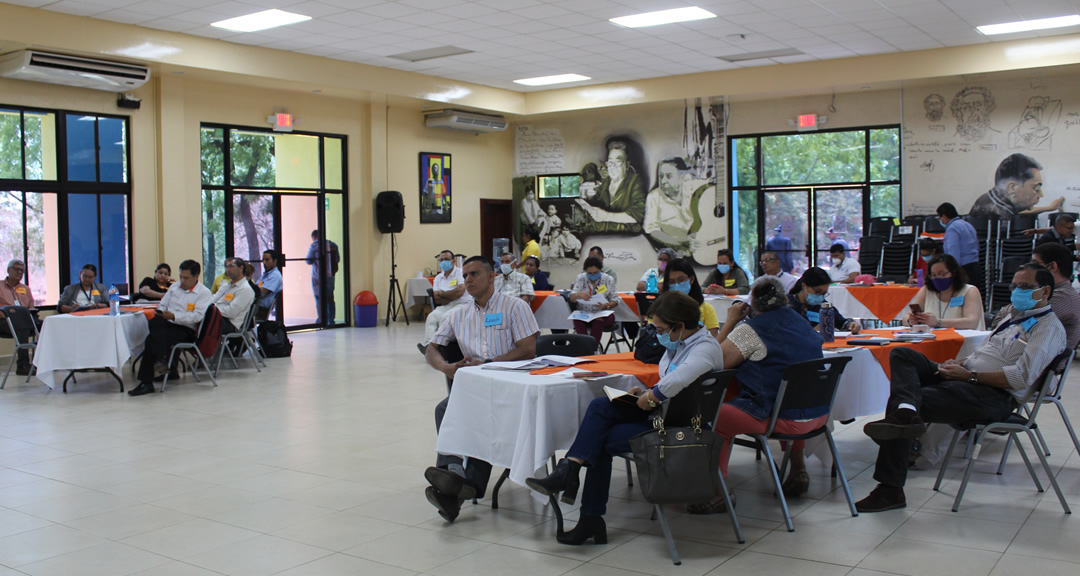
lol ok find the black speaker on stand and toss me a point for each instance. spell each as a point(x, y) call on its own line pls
point(390, 219)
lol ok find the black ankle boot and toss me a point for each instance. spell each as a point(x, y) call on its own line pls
point(588, 526)
point(563, 479)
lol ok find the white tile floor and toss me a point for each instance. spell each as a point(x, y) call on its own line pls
point(316, 467)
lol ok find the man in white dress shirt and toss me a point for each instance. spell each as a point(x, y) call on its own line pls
point(770, 265)
point(511, 282)
point(234, 299)
point(448, 288)
point(844, 269)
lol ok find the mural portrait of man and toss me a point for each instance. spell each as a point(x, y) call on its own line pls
point(934, 105)
point(671, 218)
point(1017, 189)
point(618, 203)
point(972, 107)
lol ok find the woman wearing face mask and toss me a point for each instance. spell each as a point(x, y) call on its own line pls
point(679, 276)
point(728, 278)
point(947, 300)
point(594, 291)
point(928, 249)
point(608, 426)
point(807, 296)
point(664, 256)
point(761, 349)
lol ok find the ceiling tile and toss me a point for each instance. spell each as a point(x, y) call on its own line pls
point(76, 8)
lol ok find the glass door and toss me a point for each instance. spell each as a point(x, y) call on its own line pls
point(787, 227)
point(838, 218)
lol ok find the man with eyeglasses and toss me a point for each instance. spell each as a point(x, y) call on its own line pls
point(1063, 233)
point(14, 293)
point(234, 298)
point(988, 385)
point(618, 206)
point(770, 265)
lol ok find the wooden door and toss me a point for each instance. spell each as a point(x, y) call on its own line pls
point(496, 221)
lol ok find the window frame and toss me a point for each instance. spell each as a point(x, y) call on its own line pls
point(560, 176)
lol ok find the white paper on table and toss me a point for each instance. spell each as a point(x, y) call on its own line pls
point(589, 317)
point(556, 360)
point(508, 365)
point(839, 334)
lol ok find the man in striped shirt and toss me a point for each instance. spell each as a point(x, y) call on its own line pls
point(988, 385)
point(493, 327)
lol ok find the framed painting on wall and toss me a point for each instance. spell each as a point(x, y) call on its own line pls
point(434, 188)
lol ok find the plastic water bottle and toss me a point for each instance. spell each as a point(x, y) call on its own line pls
point(114, 301)
point(826, 322)
point(650, 284)
point(919, 278)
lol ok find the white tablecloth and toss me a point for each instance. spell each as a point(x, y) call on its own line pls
point(850, 307)
point(77, 342)
point(517, 420)
point(416, 292)
point(554, 313)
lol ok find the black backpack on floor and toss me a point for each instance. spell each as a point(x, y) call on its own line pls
point(274, 340)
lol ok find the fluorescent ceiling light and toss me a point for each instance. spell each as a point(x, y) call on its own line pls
point(746, 56)
point(663, 17)
point(431, 53)
point(558, 79)
point(261, 21)
point(1028, 25)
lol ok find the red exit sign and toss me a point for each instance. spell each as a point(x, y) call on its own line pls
point(808, 122)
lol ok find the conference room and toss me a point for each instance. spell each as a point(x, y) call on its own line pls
point(787, 125)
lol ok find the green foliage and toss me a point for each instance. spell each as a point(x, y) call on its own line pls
point(745, 162)
point(252, 158)
point(814, 158)
point(885, 201)
point(748, 228)
point(885, 154)
point(11, 163)
point(212, 154)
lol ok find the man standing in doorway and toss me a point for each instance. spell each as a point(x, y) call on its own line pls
point(324, 258)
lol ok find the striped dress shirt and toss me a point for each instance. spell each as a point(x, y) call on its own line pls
point(514, 284)
point(1020, 352)
point(490, 331)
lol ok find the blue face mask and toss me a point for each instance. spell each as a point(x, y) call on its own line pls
point(666, 341)
point(506, 269)
point(814, 299)
point(683, 287)
point(723, 268)
point(927, 259)
point(446, 265)
point(593, 277)
point(1021, 299)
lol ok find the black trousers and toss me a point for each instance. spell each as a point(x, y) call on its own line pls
point(478, 472)
point(163, 336)
point(915, 381)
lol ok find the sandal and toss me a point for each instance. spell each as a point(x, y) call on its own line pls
point(797, 484)
point(714, 507)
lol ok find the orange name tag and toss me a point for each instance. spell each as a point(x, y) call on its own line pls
point(260, 284)
point(95, 293)
point(20, 290)
point(229, 297)
point(191, 307)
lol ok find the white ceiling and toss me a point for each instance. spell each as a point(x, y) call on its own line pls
point(514, 39)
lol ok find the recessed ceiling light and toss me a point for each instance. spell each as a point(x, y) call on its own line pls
point(261, 21)
point(1028, 25)
point(762, 54)
point(663, 17)
point(557, 79)
point(431, 53)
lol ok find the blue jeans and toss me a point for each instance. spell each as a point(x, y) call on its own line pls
point(331, 309)
point(605, 431)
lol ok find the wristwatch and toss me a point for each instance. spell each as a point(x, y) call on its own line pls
point(648, 398)
point(974, 377)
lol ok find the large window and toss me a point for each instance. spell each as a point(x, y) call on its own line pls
point(65, 196)
point(818, 188)
point(263, 190)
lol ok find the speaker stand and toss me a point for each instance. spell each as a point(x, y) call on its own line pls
point(395, 299)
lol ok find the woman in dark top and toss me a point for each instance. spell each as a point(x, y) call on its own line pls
point(807, 296)
point(156, 287)
point(728, 278)
point(539, 279)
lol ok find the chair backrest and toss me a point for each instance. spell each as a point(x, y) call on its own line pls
point(431, 295)
point(1020, 222)
point(1063, 373)
point(1043, 384)
point(808, 384)
point(19, 320)
point(644, 301)
point(575, 345)
point(870, 253)
point(1009, 266)
point(896, 260)
point(932, 225)
point(452, 352)
point(880, 226)
point(981, 224)
point(704, 396)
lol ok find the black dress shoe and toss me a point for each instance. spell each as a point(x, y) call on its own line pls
point(882, 498)
point(563, 479)
point(588, 526)
point(450, 484)
point(902, 423)
point(448, 506)
point(423, 349)
point(172, 376)
point(142, 388)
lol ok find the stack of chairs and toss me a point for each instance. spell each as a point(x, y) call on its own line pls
point(881, 226)
point(916, 223)
point(931, 225)
point(870, 254)
point(986, 233)
point(897, 261)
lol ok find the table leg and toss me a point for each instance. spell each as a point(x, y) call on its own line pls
point(495, 492)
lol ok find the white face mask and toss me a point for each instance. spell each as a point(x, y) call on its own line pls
point(836, 261)
point(506, 269)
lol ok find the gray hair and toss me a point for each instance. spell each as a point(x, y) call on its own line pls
point(672, 254)
point(15, 261)
point(767, 294)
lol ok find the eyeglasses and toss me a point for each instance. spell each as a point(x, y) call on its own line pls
point(1024, 286)
point(764, 260)
point(668, 331)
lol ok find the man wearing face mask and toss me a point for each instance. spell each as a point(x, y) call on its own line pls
point(988, 385)
point(448, 289)
point(664, 256)
point(844, 269)
point(511, 282)
point(961, 242)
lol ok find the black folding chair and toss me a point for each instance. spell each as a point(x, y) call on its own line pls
point(575, 345)
point(20, 321)
point(1018, 422)
point(896, 261)
point(805, 385)
point(870, 254)
point(932, 225)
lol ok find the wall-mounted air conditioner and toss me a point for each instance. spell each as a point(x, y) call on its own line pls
point(73, 71)
point(467, 121)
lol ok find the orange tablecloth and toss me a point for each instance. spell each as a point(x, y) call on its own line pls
point(149, 312)
point(884, 301)
point(540, 295)
point(624, 363)
point(938, 235)
point(945, 347)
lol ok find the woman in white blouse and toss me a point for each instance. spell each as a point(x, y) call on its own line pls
point(946, 299)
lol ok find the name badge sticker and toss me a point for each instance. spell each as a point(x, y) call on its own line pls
point(493, 319)
point(956, 301)
point(813, 317)
point(260, 284)
point(191, 307)
point(534, 281)
point(95, 293)
point(20, 290)
point(229, 297)
point(1027, 324)
point(601, 289)
point(453, 282)
point(729, 282)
